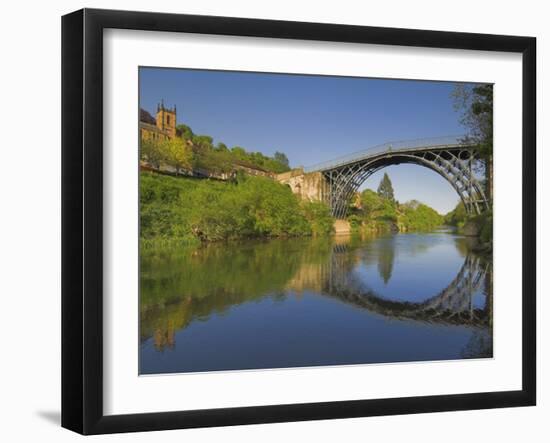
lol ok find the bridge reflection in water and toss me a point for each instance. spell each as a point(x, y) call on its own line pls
point(205, 295)
point(453, 305)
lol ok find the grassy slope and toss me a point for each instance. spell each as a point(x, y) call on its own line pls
point(187, 210)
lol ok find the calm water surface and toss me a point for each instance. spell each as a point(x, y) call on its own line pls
point(307, 302)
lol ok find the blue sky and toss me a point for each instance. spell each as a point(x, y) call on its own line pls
point(313, 118)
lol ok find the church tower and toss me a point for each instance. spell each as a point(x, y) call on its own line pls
point(166, 119)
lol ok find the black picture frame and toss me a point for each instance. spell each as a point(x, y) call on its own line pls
point(82, 220)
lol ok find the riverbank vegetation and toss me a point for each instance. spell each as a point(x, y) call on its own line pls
point(180, 210)
point(176, 211)
point(475, 103)
point(476, 225)
point(379, 212)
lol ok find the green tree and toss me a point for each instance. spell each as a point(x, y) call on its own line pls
point(281, 158)
point(319, 217)
point(151, 152)
point(185, 131)
point(475, 104)
point(213, 160)
point(177, 153)
point(274, 209)
point(457, 216)
point(186, 210)
point(385, 189)
point(203, 141)
point(238, 152)
point(418, 216)
point(370, 202)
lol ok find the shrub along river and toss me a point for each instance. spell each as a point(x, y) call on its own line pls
point(314, 301)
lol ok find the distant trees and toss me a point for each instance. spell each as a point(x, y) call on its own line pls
point(419, 217)
point(238, 152)
point(385, 188)
point(212, 160)
point(380, 211)
point(207, 156)
point(184, 131)
point(278, 163)
point(202, 141)
point(456, 217)
point(281, 158)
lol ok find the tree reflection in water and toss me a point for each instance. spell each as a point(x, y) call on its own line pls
point(385, 263)
point(186, 286)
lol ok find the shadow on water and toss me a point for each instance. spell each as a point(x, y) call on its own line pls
point(180, 288)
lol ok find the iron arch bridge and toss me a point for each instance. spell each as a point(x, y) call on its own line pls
point(452, 157)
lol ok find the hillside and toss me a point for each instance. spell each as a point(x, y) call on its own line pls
point(189, 152)
point(186, 210)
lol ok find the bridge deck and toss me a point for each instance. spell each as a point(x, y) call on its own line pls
point(424, 144)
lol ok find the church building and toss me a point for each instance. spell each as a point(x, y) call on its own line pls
point(163, 127)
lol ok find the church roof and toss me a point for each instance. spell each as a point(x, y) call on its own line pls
point(145, 117)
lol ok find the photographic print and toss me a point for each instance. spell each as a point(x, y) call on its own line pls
point(292, 220)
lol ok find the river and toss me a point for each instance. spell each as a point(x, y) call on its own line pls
point(314, 301)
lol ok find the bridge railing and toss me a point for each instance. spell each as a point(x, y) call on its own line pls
point(395, 146)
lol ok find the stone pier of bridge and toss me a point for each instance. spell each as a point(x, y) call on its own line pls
point(311, 186)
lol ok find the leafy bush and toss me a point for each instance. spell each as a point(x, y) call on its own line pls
point(175, 152)
point(319, 217)
point(208, 210)
point(420, 218)
point(484, 222)
point(355, 221)
point(457, 216)
point(487, 230)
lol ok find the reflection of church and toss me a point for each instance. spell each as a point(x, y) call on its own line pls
point(163, 127)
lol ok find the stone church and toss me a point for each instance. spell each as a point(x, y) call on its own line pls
point(163, 127)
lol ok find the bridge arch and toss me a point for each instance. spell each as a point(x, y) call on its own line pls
point(451, 159)
point(346, 182)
